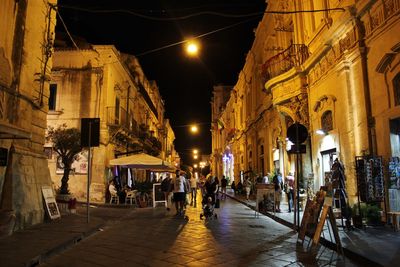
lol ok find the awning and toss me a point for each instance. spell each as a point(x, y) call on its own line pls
point(142, 161)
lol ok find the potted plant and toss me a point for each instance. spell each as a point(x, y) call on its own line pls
point(373, 214)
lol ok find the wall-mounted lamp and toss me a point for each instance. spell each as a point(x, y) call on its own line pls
point(321, 132)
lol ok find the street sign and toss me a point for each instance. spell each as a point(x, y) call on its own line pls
point(90, 131)
point(300, 150)
point(297, 133)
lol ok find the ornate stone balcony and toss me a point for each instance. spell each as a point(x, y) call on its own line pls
point(293, 56)
point(123, 128)
point(380, 13)
point(120, 118)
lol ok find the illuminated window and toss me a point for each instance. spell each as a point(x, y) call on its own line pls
point(396, 89)
point(327, 121)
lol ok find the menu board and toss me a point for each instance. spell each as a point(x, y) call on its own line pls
point(158, 195)
point(370, 178)
point(265, 197)
point(50, 201)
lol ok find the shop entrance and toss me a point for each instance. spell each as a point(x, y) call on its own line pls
point(328, 157)
point(395, 137)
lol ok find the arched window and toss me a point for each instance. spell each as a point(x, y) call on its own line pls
point(396, 89)
point(327, 121)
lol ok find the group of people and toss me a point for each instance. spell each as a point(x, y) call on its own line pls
point(280, 186)
point(184, 189)
point(287, 187)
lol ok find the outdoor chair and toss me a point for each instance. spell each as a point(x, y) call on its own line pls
point(131, 198)
point(114, 198)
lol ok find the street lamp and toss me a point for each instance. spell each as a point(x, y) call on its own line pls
point(195, 151)
point(194, 129)
point(192, 48)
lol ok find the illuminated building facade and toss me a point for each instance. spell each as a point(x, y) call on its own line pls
point(97, 81)
point(335, 70)
point(26, 45)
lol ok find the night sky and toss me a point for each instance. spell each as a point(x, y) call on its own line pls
point(185, 83)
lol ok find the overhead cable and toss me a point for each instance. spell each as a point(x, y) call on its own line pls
point(212, 13)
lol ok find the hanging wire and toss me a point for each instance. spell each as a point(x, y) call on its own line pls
point(66, 29)
point(213, 13)
point(106, 11)
point(196, 37)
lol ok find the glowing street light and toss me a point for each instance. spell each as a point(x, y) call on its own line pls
point(194, 129)
point(192, 48)
point(195, 156)
point(195, 151)
point(195, 166)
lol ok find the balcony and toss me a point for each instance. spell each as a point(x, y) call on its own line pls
point(121, 119)
point(293, 56)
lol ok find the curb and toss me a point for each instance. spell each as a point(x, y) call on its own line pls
point(35, 261)
point(327, 243)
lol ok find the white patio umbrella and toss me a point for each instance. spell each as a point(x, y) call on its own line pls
point(143, 161)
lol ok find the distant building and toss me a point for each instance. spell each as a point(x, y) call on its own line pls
point(26, 43)
point(100, 82)
point(221, 95)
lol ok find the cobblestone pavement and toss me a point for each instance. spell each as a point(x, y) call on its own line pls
point(155, 237)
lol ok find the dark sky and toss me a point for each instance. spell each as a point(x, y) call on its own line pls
point(185, 83)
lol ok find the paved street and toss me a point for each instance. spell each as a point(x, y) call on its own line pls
point(155, 237)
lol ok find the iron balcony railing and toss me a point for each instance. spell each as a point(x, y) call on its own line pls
point(120, 117)
point(293, 56)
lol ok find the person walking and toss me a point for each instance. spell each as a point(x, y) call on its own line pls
point(180, 185)
point(289, 190)
point(193, 190)
point(247, 187)
point(165, 188)
point(277, 181)
point(224, 183)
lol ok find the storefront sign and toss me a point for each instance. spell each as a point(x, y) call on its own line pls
point(50, 201)
point(158, 195)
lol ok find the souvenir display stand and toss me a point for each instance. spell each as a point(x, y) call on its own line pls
point(394, 191)
point(370, 180)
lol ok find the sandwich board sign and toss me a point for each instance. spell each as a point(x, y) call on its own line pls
point(50, 201)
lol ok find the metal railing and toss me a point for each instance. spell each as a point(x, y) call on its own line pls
point(294, 55)
point(120, 117)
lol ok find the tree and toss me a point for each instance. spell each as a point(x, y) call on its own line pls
point(67, 144)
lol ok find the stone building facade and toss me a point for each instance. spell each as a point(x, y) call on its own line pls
point(336, 70)
point(97, 81)
point(26, 41)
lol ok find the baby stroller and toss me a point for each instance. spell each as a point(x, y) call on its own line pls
point(208, 208)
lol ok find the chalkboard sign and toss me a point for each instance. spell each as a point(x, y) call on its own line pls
point(158, 195)
point(50, 201)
